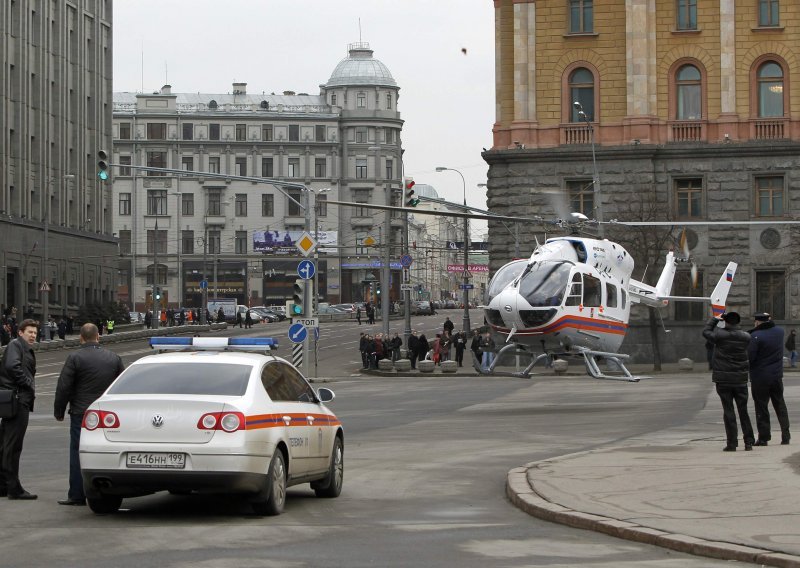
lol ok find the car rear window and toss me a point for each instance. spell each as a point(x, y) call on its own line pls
point(184, 378)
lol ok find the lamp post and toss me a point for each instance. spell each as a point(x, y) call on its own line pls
point(595, 176)
point(465, 324)
point(179, 249)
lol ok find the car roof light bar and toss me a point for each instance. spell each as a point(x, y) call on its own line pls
point(253, 344)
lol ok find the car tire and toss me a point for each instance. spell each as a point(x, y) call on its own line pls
point(335, 477)
point(276, 488)
point(104, 505)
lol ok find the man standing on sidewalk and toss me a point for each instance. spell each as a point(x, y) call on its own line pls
point(86, 374)
point(729, 373)
point(766, 377)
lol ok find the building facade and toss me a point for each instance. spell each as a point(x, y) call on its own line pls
point(691, 111)
point(177, 231)
point(55, 95)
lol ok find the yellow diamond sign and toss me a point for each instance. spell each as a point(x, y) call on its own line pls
point(306, 244)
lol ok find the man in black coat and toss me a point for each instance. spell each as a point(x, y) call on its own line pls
point(729, 373)
point(17, 372)
point(86, 374)
point(413, 343)
point(766, 377)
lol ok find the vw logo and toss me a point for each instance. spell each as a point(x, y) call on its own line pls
point(158, 421)
point(507, 308)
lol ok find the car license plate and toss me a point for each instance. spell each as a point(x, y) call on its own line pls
point(155, 460)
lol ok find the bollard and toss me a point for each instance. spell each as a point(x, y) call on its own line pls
point(685, 364)
point(560, 366)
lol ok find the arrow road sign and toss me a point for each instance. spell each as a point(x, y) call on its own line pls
point(306, 269)
point(297, 333)
point(203, 284)
point(406, 260)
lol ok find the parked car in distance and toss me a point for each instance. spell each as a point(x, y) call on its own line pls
point(331, 310)
point(255, 316)
point(349, 308)
point(136, 317)
point(266, 315)
point(421, 308)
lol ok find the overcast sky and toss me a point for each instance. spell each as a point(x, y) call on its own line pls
point(446, 96)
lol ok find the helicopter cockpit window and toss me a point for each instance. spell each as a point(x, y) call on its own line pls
point(611, 295)
point(503, 278)
point(592, 291)
point(575, 294)
point(544, 284)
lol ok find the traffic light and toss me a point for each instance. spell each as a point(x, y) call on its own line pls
point(158, 293)
point(102, 164)
point(298, 298)
point(409, 198)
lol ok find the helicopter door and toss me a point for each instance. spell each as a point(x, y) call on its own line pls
point(575, 294)
point(592, 291)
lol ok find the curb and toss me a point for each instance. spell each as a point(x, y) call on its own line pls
point(526, 498)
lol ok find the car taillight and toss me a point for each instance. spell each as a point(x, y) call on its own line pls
point(225, 421)
point(100, 419)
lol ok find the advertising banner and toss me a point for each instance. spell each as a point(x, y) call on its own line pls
point(283, 242)
point(473, 245)
point(472, 268)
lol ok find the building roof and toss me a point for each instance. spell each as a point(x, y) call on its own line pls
point(360, 68)
point(425, 190)
point(226, 102)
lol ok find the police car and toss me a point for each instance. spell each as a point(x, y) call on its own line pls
point(211, 415)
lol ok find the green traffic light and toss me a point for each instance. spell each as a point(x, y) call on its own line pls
point(297, 309)
point(103, 175)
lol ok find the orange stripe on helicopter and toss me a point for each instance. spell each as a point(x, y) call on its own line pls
point(575, 322)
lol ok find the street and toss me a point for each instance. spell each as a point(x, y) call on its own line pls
point(426, 460)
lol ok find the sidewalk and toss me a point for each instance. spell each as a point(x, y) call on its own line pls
point(678, 489)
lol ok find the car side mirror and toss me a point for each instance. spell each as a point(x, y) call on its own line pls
point(325, 395)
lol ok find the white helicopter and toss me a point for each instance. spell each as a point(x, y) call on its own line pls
point(573, 297)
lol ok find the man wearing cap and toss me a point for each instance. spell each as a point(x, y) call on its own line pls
point(730, 366)
point(766, 376)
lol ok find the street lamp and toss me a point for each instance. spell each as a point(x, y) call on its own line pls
point(595, 176)
point(465, 324)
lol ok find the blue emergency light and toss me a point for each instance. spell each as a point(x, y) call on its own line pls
point(260, 344)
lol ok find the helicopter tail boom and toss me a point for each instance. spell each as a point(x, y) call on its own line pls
point(720, 294)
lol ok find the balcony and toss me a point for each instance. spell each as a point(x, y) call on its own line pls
point(687, 131)
point(768, 129)
point(576, 134)
point(215, 220)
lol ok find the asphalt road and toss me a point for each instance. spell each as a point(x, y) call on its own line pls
point(425, 466)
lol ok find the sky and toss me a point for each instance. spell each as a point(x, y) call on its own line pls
point(446, 95)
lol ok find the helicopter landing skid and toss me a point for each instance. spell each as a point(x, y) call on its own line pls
point(514, 349)
point(615, 358)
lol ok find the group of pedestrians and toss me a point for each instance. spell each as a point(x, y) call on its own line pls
point(756, 357)
point(377, 347)
point(370, 313)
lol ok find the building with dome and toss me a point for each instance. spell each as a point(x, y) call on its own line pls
point(177, 231)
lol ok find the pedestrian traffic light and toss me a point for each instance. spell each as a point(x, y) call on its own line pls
point(102, 164)
point(298, 298)
point(158, 293)
point(410, 199)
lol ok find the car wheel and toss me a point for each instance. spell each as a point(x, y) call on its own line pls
point(276, 488)
point(335, 477)
point(105, 505)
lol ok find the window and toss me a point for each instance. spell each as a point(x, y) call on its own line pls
point(611, 295)
point(687, 83)
point(187, 242)
point(241, 132)
point(213, 165)
point(213, 131)
point(156, 131)
point(591, 291)
point(125, 242)
point(361, 100)
point(361, 135)
point(768, 13)
point(389, 169)
point(771, 293)
point(156, 241)
point(581, 196)
point(294, 133)
point(361, 168)
point(770, 90)
point(581, 89)
point(320, 167)
point(769, 196)
point(389, 135)
point(156, 201)
point(687, 14)
point(240, 242)
point(124, 130)
point(124, 203)
point(241, 205)
point(689, 311)
point(187, 204)
point(156, 160)
point(361, 196)
point(126, 161)
point(293, 209)
point(240, 167)
point(267, 168)
point(162, 275)
point(200, 378)
point(188, 131)
point(581, 18)
point(294, 168)
point(266, 132)
point(689, 198)
point(284, 384)
point(267, 205)
point(388, 101)
point(187, 163)
point(333, 99)
point(322, 205)
point(360, 236)
point(214, 203)
point(319, 133)
point(214, 242)
point(575, 295)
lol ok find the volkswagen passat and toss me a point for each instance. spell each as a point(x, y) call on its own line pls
point(211, 416)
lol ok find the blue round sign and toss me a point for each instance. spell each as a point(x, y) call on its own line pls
point(297, 333)
point(406, 260)
point(306, 269)
point(203, 284)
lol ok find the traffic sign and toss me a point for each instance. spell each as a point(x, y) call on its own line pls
point(45, 287)
point(306, 269)
point(306, 243)
point(306, 322)
point(466, 286)
point(406, 260)
point(404, 287)
point(297, 333)
point(466, 274)
point(203, 284)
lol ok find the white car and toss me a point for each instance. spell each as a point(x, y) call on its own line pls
point(209, 418)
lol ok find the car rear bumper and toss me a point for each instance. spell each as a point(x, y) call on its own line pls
point(141, 482)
